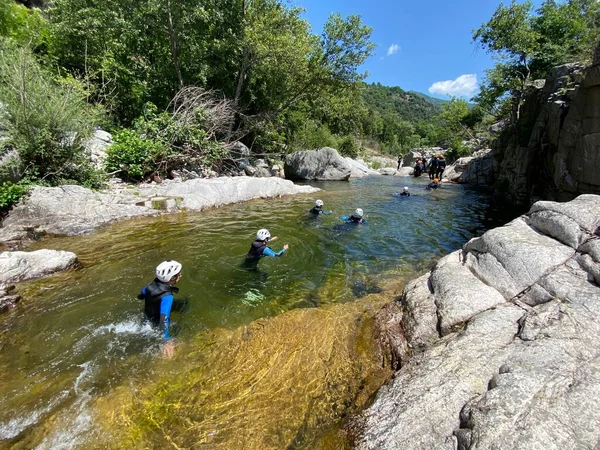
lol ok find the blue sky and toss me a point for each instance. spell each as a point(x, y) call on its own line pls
point(422, 45)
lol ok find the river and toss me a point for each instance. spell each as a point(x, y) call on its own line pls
point(272, 358)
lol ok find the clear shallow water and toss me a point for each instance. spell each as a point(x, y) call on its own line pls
point(78, 335)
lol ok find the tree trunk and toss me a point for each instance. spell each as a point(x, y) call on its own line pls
point(174, 46)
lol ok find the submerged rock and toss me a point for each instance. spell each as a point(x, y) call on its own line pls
point(505, 342)
point(324, 164)
point(71, 210)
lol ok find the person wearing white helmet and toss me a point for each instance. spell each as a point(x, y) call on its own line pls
point(318, 208)
point(356, 217)
point(158, 297)
point(260, 248)
point(405, 192)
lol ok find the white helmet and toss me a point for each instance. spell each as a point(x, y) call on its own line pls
point(262, 234)
point(358, 212)
point(319, 203)
point(167, 270)
point(405, 188)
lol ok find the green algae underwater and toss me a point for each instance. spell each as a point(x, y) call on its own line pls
point(267, 359)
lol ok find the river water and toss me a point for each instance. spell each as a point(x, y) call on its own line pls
point(271, 358)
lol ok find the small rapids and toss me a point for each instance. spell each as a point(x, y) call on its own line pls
point(266, 358)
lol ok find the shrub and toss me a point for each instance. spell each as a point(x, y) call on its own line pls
point(10, 194)
point(46, 122)
point(133, 156)
point(349, 146)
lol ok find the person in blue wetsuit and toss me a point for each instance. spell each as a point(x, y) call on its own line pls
point(356, 217)
point(259, 247)
point(158, 299)
point(318, 208)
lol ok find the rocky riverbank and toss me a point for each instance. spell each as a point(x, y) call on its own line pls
point(72, 210)
point(500, 343)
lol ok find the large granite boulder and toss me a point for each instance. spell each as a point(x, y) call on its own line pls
point(324, 164)
point(390, 171)
point(405, 172)
point(70, 210)
point(359, 168)
point(19, 266)
point(477, 169)
point(97, 146)
point(503, 342)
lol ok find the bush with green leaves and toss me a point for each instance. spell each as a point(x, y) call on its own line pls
point(10, 194)
point(133, 156)
point(46, 121)
point(349, 146)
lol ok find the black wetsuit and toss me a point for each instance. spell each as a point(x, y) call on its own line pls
point(316, 210)
point(440, 168)
point(405, 194)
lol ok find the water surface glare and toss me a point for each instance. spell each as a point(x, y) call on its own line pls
point(78, 335)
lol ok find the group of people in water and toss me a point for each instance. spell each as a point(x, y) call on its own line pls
point(436, 166)
point(158, 296)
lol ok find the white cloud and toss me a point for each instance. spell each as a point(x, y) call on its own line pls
point(393, 49)
point(464, 86)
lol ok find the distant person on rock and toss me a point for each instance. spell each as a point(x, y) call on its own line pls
point(433, 165)
point(399, 161)
point(405, 192)
point(356, 217)
point(318, 209)
point(433, 185)
point(419, 168)
point(441, 167)
point(159, 302)
point(260, 248)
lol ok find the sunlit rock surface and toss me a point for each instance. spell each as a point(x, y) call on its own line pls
point(324, 164)
point(71, 210)
point(19, 266)
point(518, 366)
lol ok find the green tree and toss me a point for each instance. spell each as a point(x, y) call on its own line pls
point(527, 44)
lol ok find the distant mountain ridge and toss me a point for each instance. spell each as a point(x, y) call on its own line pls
point(409, 106)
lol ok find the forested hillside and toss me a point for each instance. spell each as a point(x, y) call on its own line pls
point(178, 82)
point(405, 105)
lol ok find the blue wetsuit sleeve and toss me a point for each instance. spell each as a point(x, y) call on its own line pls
point(142, 294)
point(269, 252)
point(345, 218)
point(166, 304)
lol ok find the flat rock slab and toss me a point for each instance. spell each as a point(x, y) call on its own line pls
point(19, 266)
point(72, 210)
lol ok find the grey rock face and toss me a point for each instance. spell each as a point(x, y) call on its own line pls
point(69, 210)
point(518, 366)
point(359, 168)
point(324, 164)
point(19, 266)
point(97, 147)
point(405, 172)
point(552, 153)
point(387, 171)
point(477, 169)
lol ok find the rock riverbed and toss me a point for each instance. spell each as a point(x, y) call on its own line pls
point(500, 343)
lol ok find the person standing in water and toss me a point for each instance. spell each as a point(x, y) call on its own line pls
point(260, 248)
point(158, 300)
point(356, 217)
point(318, 208)
point(440, 167)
